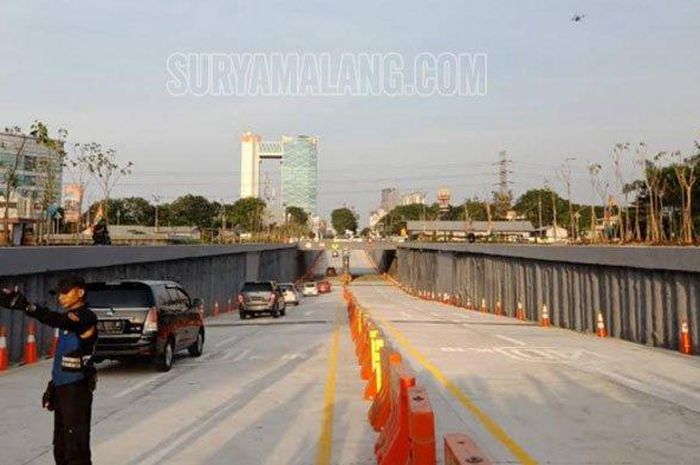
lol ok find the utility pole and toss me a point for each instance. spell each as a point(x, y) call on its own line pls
point(564, 173)
point(503, 197)
point(156, 199)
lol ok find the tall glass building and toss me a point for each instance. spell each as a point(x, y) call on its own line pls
point(300, 173)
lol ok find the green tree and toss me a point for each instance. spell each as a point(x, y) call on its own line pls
point(393, 222)
point(192, 210)
point(297, 215)
point(343, 219)
point(247, 213)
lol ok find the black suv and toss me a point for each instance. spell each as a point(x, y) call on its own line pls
point(152, 319)
point(258, 297)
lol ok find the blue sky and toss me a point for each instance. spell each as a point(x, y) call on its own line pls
point(628, 72)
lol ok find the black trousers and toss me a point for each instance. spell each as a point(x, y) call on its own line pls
point(71, 427)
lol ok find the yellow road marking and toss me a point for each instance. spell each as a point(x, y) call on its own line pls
point(488, 423)
point(325, 439)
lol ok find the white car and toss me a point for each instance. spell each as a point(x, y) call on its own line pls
point(289, 293)
point(309, 288)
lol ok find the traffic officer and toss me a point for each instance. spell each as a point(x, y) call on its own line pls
point(73, 377)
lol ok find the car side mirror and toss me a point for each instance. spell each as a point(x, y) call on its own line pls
point(197, 302)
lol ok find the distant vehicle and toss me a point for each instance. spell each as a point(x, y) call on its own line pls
point(324, 287)
point(331, 271)
point(154, 319)
point(259, 297)
point(335, 254)
point(290, 293)
point(310, 289)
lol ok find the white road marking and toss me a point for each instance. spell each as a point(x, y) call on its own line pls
point(406, 315)
point(226, 341)
point(136, 386)
point(307, 313)
point(510, 339)
point(240, 356)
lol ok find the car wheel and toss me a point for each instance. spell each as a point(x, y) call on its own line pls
point(243, 315)
point(275, 314)
point(165, 361)
point(284, 310)
point(197, 348)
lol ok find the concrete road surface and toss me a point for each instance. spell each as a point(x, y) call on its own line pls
point(535, 395)
point(260, 394)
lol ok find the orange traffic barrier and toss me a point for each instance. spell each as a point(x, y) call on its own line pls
point(499, 309)
point(520, 312)
point(600, 330)
point(421, 427)
point(685, 345)
point(544, 320)
point(381, 406)
point(484, 308)
point(460, 449)
point(215, 312)
point(229, 306)
point(30, 354)
point(54, 343)
point(4, 359)
point(376, 377)
point(392, 446)
point(469, 304)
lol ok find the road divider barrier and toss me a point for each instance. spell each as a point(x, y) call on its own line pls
point(400, 410)
point(30, 353)
point(460, 449)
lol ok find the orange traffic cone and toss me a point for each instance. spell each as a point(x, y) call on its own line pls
point(30, 355)
point(469, 304)
point(685, 345)
point(54, 343)
point(545, 316)
point(229, 306)
point(520, 312)
point(600, 327)
point(499, 310)
point(216, 308)
point(4, 359)
point(484, 308)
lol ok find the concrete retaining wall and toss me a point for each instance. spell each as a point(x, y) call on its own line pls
point(213, 273)
point(642, 293)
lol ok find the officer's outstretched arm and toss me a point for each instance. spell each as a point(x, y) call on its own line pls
point(73, 321)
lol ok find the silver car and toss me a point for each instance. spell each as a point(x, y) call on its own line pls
point(290, 293)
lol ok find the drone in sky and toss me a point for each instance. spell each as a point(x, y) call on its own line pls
point(577, 18)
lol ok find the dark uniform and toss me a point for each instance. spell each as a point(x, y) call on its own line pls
point(73, 377)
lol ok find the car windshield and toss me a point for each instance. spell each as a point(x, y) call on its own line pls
point(310, 285)
point(119, 297)
point(257, 287)
point(286, 287)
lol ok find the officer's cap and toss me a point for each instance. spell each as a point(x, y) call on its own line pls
point(72, 281)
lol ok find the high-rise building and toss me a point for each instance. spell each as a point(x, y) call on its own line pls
point(39, 176)
point(300, 173)
point(413, 197)
point(299, 157)
point(390, 199)
point(38, 167)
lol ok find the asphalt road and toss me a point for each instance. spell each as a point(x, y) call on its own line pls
point(258, 395)
point(542, 395)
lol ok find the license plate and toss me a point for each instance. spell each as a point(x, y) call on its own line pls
point(115, 326)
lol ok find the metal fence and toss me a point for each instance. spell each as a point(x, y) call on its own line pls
point(643, 295)
point(212, 273)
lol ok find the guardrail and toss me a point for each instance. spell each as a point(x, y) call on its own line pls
point(645, 295)
point(212, 273)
